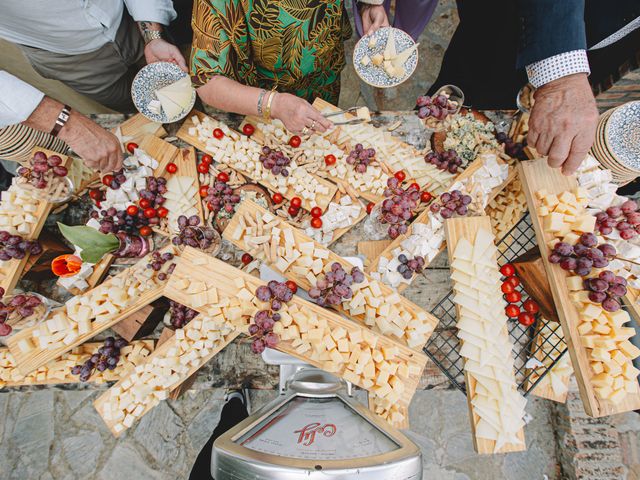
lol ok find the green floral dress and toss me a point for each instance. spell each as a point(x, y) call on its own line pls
point(293, 46)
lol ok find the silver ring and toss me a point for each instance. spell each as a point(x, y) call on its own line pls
point(313, 124)
point(304, 130)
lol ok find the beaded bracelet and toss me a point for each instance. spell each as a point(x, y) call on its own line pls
point(263, 92)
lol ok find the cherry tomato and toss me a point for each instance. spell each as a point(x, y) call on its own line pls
point(204, 191)
point(296, 202)
point(426, 197)
point(512, 311)
point(277, 198)
point(316, 222)
point(145, 231)
point(218, 133)
point(415, 186)
point(131, 147)
point(248, 129)
point(507, 270)
point(513, 297)
point(531, 306)
point(172, 167)
point(526, 319)
point(370, 206)
point(95, 194)
point(291, 285)
point(330, 160)
point(206, 158)
point(400, 175)
point(132, 210)
point(162, 212)
point(507, 287)
point(246, 258)
point(144, 203)
point(316, 212)
point(150, 212)
point(293, 211)
point(211, 207)
point(107, 179)
point(513, 280)
point(295, 141)
point(203, 167)
point(223, 177)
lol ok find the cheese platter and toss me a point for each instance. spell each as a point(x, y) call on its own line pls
point(182, 197)
point(554, 385)
point(300, 259)
point(596, 338)
point(496, 408)
point(135, 128)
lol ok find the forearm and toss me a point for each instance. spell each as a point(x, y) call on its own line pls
point(226, 94)
point(150, 26)
point(44, 117)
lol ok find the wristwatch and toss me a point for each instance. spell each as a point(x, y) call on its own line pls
point(61, 121)
point(150, 35)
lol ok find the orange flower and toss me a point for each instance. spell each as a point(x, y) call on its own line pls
point(66, 265)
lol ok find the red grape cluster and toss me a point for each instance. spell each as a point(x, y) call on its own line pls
point(157, 262)
point(275, 161)
point(14, 246)
point(276, 293)
point(19, 307)
point(114, 180)
point(607, 289)
point(153, 194)
point(361, 158)
point(114, 221)
point(408, 267)
point(451, 203)
point(511, 148)
point(583, 256)
point(625, 219)
point(43, 170)
point(107, 357)
point(220, 196)
point(447, 161)
point(180, 314)
point(335, 285)
point(192, 234)
point(438, 107)
point(398, 207)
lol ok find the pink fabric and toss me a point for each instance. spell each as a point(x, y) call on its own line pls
point(411, 16)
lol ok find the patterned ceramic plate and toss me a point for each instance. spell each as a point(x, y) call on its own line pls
point(375, 75)
point(622, 134)
point(151, 78)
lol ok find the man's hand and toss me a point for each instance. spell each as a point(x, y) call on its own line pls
point(563, 121)
point(98, 148)
point(296, 114)
point(162, 51)
point(373, 18)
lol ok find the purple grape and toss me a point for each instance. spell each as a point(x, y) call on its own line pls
point(257, 346)
point(263, 293)
point(597, 297)
point(588, 239)
point(611, 305)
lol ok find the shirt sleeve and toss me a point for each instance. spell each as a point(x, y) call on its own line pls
point(159, 11)
point(558, 66)
point(18, 99)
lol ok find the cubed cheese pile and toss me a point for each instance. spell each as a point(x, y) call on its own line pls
point(18, 209)
point(507, 208)
point(342, 214)
point(271, 239)
point(140, 166)
point(565, 213)
point(181, 199)
point(59, 370)
point(165, 369)
point(83, 313)
point(243, 154)
point(486, 348)
point(549, 349)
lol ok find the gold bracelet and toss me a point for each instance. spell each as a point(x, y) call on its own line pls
point(267, 110)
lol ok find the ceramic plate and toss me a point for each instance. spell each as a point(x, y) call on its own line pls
point(151, 78)
point(375, 75)
point(622, 134)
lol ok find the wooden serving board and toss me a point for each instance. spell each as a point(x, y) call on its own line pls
point(323, 200)
point(456, 229)
point(536, 175)
point(186, 161)
point(544, 389)
point(371, 249)
point(247, 207)
point(34, 358)
point(137, 127)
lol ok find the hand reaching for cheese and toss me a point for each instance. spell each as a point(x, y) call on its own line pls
point(162, 51)
point(373, 18)
point(296, 114)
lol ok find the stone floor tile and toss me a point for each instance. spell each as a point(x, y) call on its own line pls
point(125, 462)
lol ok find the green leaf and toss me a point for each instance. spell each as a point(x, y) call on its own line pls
point(92, 255)
point(94, 244)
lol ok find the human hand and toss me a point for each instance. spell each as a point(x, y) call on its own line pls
point(162, 51)
point(98, 148)
point(373, 18)
point(297, 114)
point(563, 121)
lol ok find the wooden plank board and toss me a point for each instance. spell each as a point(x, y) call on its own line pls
point(137, 127)
point(372, 249)
point(544, 388)
point(37, 356)
point(250, 208)
point(177, 392)
point(186, 162)
point(536, 175)
point(457, 229)
point(322, 201)
point(163, 152)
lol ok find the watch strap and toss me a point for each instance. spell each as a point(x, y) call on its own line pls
point(61, 121)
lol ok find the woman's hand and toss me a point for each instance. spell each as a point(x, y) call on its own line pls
point(297, 114)
point(162, 51)
point(373, 18)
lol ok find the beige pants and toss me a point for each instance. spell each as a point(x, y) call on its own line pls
point(104, 75)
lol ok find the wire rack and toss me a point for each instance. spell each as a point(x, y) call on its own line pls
point(444, 347)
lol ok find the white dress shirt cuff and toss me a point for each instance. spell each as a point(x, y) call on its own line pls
point(18, 99)
point(158, 11)
point(558, 66)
